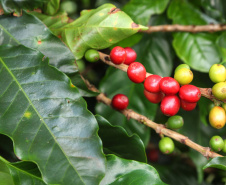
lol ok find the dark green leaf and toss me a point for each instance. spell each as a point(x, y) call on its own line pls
point(197, 50)
point(155, 52)
point(32, 33)
point(47, 119)
point(116, 141)
point(52, 7)
point(10, 6)
point(141, 10)
point(99, 28)
point(5, 176)
point(217, 162)
point(204, 104)
point(122, 171)
point(116, 82)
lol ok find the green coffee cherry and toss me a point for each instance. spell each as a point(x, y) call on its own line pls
point(183, 76)
point(219, 90)
point(68, 6)
point(175, 122)
point(81, 65)
point(92, 55)
point(181, 66)
point(224, 148)
point(217, 73)
point(166, 145)
point(216, 143)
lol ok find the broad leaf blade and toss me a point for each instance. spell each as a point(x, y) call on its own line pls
point(47, 119)
point(52, 7)
point(121, 171)
point(98, 29)
point(5, 176)
point(116, 82)
point(142, 10)
point(116, 141)
point(10, 6)
point(197, 50)
point(217, 162)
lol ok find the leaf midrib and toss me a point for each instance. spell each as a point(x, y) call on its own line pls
point(31, 104)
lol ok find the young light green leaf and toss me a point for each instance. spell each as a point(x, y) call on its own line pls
point(52, 7)
point(122, 171)
point(142, 10)
point(5, 176)
point(47, 119)
point(98, 29)
point(116, 141)
point(217, 162)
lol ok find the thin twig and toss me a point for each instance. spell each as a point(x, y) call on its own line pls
point(205, 92)
point(185, 28)
point(159, 128)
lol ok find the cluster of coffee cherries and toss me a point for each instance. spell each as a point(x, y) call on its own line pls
point(217, 144)
point(217, 115)
point(173, 93)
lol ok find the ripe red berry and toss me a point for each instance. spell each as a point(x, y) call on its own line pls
point(187, 105)
point(131, 56)
point(170, 105)
point(169, 86)
point(153, 97)
point(118, 55)
point(120, 101)
point(136, 72)
point(151, 83)
point(190, 93)
point(153, 155)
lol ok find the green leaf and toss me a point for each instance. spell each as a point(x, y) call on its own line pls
point(122, 171)
point(5, 176)
point(99, 28)
point(141, 10)
point(25, 173)
point(116, 141)
point(197, 50)
point(47, 119)
point(115, 82)
point(204, 104)
point(10, 6)
point(52, 7)
point(155, 52)
point(217, 162)
point(32, 33)
point(221, 42)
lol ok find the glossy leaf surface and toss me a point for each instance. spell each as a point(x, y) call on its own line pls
point(47, 119)
point(217, 162)
point(116, 141)
point(98, 29)
point(122, 171)
point(116, 82)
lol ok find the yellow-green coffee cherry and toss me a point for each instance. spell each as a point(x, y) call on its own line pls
point(183, 76)
point(175, 122)
point(219, 90)
point(224, 148)
point(181, 66)
point(216, 143)
point(217, 73)
point(224, 106)
point(217, 117)
point(166, 145)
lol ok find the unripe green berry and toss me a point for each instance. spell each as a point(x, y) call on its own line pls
point(92, 55)
point(217, 73)
point(181, 66)
point(219, 90)
point(183, 76)
point(175, 122)
point(68, 6)
point(224, 148)
point(216, 143)
point(166, 145)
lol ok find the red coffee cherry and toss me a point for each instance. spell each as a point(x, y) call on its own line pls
point(170, 105)
point(153, 97)
point(151, 83)
point(120, 101)
point(190, 93)
point(169, 86)
point(187, 105)
point(131, 56)
point(136, 72)
point(153, 155)
point(118, 55)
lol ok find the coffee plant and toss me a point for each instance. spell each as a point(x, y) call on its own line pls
point(112, 92)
